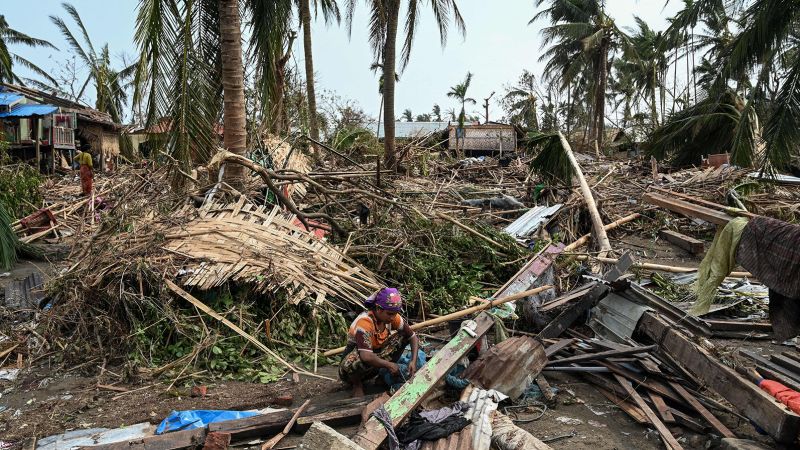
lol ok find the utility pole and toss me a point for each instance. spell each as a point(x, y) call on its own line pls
point(486, 105)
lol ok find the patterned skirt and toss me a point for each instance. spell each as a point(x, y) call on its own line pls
point(353, 368)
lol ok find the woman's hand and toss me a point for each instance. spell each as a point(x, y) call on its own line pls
point(412, 368)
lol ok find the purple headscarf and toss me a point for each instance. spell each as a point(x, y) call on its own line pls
point(387, 298)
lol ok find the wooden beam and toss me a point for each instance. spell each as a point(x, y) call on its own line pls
point(788, 363)
point(710, 418)
point(571, 314)
point(745, 396)
point(558, 346)
point(762, 362)
point(662, 408)
point(663, 431)
point(688, 243)
point(688, 209)
point(340, 412)
point(400, 405)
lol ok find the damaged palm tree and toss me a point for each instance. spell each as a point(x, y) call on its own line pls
point(554, 160)
point(713, 125)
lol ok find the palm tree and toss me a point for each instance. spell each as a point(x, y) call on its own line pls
point(520, 101)
point(108, 82)
point(436, 113)
point(459, 92)
point(191, 70)
point(330, 10)
point(384, 22)
point(583, 38)
point(408, 115)
point(10, 36)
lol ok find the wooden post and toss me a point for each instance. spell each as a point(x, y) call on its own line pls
point(597, 221)
point(36, 142)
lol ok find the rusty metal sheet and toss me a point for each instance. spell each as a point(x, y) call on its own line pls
point(508, 367)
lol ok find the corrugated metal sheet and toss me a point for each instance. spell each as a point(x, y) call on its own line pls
point(9, 98)
point(615, 317)
point(508, 367)
point(407, 130)
point(530, 222)
point(30, 110)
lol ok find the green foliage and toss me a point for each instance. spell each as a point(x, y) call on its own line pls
point(19, 185)
point(550, 161)
point(166, 332)
point(707, 127)
point(440, 266)
point(9, 244)
point(356, 139)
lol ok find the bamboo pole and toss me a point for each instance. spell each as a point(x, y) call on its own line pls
point(659, 267)
point(463, 312)
point(597, 221)
point(585, 238)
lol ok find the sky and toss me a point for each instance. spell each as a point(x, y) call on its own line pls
point(498, 46)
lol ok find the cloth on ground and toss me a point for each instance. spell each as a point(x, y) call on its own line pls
point(770, 250)
point(386, 420)
point(717, 264)
point(394, 382)
point(419, 428)
point(438, 415)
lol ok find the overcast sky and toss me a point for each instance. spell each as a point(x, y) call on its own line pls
point(499, 44)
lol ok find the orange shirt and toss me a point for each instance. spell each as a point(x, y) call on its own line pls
point(365, 335)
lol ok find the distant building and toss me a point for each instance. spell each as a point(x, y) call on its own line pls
point(48, 129)
point(409, 130)
point(483, 139)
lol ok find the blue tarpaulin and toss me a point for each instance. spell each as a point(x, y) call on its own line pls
point(189, 420)
point(30, 110)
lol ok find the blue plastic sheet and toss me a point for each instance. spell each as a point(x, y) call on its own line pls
point(189, 420)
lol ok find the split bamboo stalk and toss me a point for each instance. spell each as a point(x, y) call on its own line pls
point(597, 221)
point(659, 267)
point(463, 312)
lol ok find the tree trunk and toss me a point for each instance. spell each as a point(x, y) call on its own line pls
point(653, 101)
point(389, 65)
point(604, 246)
point(305, 16)
point(600, 106)
point(235, 133)
point(280, 122)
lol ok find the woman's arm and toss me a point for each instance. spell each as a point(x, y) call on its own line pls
point(376, 361)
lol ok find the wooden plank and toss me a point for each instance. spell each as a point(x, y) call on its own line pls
point(787, 363)
point(340, 412)
point(688, 209)
point(630, 409)
point(663, 431)
point(710, 418)
point(571, 314)
point(544, 386)
point(556, 302)
point(400, 405)
point(764, 363)
point(170, 441)
point(735, 325)
point(558, 346)
point(277, 438)
point(604, 355)
point(745, 396)
point(662, 408)
point(688, 243)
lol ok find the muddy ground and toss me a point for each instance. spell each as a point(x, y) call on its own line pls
point(41, 403)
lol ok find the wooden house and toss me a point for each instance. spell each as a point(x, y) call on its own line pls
point(483, 139)
point(42, 127)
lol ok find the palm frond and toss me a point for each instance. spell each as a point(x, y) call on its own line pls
point(550, 160)
point(780, 130)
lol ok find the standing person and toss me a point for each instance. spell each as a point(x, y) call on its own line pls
point(84, 158)
point(371, 345)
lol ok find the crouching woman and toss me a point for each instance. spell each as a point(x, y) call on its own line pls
point(376, 340)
